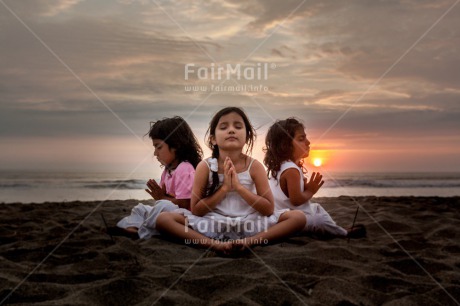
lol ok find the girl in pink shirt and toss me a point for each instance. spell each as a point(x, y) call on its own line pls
point(177, 149)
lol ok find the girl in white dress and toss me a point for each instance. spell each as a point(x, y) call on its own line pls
point(231, 206)
point(286, 146)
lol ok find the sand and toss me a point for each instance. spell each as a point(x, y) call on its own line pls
point(56, 254)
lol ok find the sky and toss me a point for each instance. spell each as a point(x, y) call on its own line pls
point(376, 83)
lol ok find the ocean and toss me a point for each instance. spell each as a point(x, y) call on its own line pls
point(39, 187)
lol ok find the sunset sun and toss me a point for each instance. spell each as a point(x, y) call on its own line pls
point(317, 162)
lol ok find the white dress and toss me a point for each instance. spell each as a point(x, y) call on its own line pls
point(318, 219)
point(144, 217)
point(178, 183)
point(233, 218)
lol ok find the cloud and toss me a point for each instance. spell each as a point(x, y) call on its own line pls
point(42, 8)
point(326, 58)
point(117, 61)
point(268, 14)
point(366, 39)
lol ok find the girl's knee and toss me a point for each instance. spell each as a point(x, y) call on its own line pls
point(297, 217)
point(166, 218)
point(293, 214)
point(163, 219)
point(300, 216)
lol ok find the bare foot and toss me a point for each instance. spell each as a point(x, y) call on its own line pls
point(240, 245)
point(132, 229)
point(221, 247)
point(357, 231)
point(117, 231)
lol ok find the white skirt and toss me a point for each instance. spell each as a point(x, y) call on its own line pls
point(319, 221)
point(144, 217)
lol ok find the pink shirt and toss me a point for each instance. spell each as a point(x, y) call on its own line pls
point(180, 181)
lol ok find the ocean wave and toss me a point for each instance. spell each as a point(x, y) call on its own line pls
point(118, 184)
point(15, 185)
point(399, 183)
point(352, 180)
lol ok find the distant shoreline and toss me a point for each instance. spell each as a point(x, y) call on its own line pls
point(152, 201)
point(65, 187)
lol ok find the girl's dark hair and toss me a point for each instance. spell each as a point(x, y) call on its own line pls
point(278, 144)
point(211, 132)
point(178, 135)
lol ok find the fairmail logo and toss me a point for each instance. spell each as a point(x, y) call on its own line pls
point(214, 71)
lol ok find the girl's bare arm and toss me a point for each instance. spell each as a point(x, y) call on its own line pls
point(199, 204)
point(296, 196)
point(159, 193)
point(262, 201)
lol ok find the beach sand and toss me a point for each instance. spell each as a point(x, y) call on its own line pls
point(56, 254)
